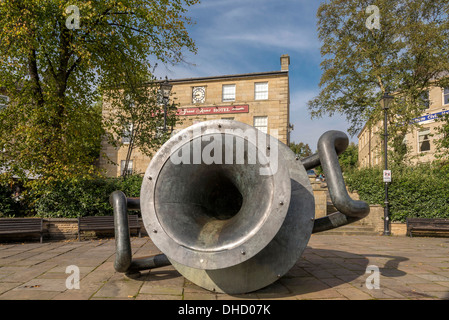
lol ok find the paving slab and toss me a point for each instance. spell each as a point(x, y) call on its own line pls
point(332, 267)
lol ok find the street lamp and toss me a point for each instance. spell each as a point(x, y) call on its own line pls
point(385, 103)
point(165, 90)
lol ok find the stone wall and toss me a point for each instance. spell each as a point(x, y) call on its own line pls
point(60, 228)
point(320, 194)
point(67, 229)
point(375, 219)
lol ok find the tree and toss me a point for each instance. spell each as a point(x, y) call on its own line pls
point(301, 149)
point(349, 158)
point(442, 140)
point(134, 119)
point(406, 55)
point(57, 60)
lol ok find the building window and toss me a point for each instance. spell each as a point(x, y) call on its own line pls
point(424, 100)
point(3, 101)
point(424, 140)
point(229, 92)
point(127, 134)
point(228, 118)
point(405, 141)
point(261, 91)
point(129, 170)
point(446, 96)
point(261, 123)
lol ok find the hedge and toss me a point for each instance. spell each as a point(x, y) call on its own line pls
point(9, 206)
point(415, 191)
point(70, 198)
point(418, 191)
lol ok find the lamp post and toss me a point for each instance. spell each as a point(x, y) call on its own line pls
point(385, 103)
point(165, 89)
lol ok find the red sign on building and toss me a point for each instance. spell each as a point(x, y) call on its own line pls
point(212, 110)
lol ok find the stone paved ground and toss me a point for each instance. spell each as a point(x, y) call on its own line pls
point(333, 267)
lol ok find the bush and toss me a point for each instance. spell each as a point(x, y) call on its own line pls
point(79, 197)
point(417, 191)
point(8, 206)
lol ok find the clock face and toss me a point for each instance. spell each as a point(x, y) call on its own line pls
point(199, 95)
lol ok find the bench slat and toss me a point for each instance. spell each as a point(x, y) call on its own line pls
point(19, 229)
point(426, 225)
point(21, 225)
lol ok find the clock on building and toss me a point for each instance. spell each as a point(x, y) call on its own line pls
point(199, 94)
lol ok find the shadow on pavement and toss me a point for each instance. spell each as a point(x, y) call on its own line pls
point(317, 271)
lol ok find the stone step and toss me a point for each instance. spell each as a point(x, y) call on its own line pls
point(353, 229)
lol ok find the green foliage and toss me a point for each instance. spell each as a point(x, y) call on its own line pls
point(415, 191)
point(138, 115)
point(78, 197)
point(130, 186)
point(54, 74)
point(301, 149)
point(442, 142)
point(8, 205)
point(349, 158)
point(360, 64)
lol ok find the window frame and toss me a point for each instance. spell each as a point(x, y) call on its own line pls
point(425, 99)
point(5, 99)
point(445, 96)
point(223, 92)
point(127, 134)
point(265, 92)
point(130, 167)
point(259, 126)
point(424, 132)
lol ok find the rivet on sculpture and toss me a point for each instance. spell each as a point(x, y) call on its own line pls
point(231, 208)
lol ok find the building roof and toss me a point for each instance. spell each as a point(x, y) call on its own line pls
point(226, 77)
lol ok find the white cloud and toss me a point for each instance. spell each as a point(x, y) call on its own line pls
point(287, 39)
point(235, 36)
point(232, 35)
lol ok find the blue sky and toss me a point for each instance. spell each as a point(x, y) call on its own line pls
point(244, 36)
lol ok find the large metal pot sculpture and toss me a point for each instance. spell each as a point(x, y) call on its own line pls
point(231, 208)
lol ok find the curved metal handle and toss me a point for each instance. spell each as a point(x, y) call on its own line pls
point(123, 257)
point(330, 145)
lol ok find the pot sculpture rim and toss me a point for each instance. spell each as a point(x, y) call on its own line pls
point(204, 249)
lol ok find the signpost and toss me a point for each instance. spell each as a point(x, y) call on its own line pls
point(387, 175)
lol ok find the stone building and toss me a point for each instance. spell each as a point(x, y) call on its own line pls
point(420, 140)
point(259, 99)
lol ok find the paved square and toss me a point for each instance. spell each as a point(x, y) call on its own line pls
point(333, 267)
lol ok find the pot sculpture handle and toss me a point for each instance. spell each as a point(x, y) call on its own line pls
point(330, 145)
point(123, 257)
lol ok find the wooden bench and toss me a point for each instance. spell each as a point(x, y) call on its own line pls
point(105, 223)
point(21, 226)
point(427, 226)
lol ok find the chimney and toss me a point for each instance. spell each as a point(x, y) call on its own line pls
point(285, 62)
